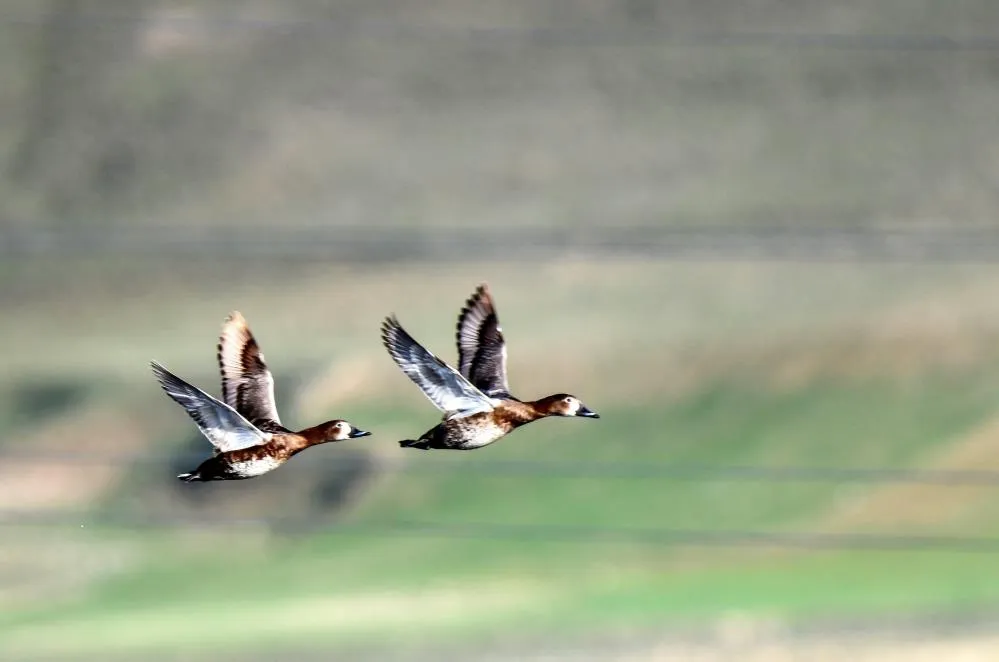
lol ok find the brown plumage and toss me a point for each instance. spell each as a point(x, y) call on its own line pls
point(244, 429)
point(247, 384)
point(476, 401)
point(481, 346)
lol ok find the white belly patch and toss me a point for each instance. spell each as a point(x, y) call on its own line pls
point(484, 436)
point(255, 467)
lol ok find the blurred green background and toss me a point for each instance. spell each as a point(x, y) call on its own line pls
point(758, 238)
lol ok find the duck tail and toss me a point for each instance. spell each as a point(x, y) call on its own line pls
point(190, 477)
point(413, 443)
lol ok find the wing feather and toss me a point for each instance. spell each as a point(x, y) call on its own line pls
point(442, 384)
point(247, 383)
point(481, 346)
point(221, 424)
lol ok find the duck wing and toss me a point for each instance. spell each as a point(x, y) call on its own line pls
point(443, 385)
point(247, 383)
point(481, 346)
point(220, 423)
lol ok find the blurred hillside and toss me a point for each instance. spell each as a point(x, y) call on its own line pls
point(207, 115)
point(757, 237)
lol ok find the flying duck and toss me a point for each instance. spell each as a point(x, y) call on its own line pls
point(244, 428)
point(475, 399)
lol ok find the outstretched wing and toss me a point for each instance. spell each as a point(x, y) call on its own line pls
point(220, 423)
point(247, 384)
point(442, 384)
point(481, 347)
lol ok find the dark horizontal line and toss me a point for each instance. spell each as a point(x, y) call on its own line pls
point(579, 34)
point(564, 469)
point(539, 532)
point(400, 244)
point(690, 537)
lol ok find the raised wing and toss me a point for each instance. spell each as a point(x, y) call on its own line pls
point(481, 347)
point(247, 384)
point(221, 424)
point(448, 390)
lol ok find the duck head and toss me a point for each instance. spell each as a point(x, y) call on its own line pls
point(339, 430)
point(563, 404)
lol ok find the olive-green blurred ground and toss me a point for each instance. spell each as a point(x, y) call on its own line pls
point(713, 364)
point(218, 115)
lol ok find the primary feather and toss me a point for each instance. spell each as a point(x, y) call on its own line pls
point(221, 424)
point(481, 346)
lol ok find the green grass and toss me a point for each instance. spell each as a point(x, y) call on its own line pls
point(822, 425)
point(735, 365)
point(813, 586)
point(731, 365)
point(191, 591)
point(835, 365)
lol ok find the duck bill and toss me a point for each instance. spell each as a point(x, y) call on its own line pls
point(587, 413)
point(355, 433)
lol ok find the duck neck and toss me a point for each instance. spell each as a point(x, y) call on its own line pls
point(306, 438)
point(525, 412)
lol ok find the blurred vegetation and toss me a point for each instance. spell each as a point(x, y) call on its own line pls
point(187, 119)
point(438, 113)
point(836, 366)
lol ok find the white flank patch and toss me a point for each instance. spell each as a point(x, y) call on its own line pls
point(485, 436)
point(255, 467)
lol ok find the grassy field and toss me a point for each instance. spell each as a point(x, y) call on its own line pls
point(141, 129)
point(839, 366)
